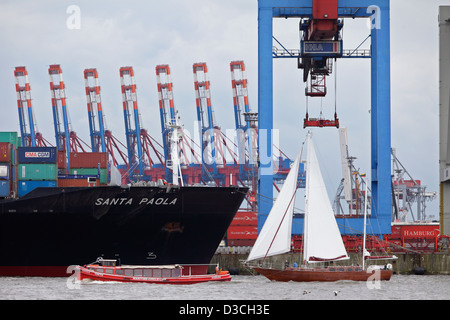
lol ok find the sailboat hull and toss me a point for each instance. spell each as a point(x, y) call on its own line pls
point(324, 274)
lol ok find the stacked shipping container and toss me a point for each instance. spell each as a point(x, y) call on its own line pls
point(86, 164)
point(5, 168)
point(37, 167)
point(243, 230)
point(9, 141)
point(23, 169)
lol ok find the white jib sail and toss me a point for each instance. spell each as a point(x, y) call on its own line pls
point(275, 235)
point(322, 239)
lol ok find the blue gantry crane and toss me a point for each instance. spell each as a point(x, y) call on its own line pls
point(102, 139)
point(167, 113)
point(66, 139)
point(132, 125)
point(241, 118)
point(30, 135)
point(315, 15)
point(205, 117)
point(95, 113)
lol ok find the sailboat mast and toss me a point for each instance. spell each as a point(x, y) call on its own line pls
point(365, 218)
point(305, 217)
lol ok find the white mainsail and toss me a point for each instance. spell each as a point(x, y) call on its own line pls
point(322, 239)
point(275, 235)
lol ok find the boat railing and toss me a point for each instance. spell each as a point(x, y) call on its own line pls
point(263, 264)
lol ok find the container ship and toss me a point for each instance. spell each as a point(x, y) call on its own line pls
point(50, 221)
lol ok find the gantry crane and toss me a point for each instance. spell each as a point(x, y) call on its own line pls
point(66, 139)
point(246, 128)
point(241, 108)
point(131, 117)
point(205, 117)
point(95, 113)
point(377, 13)
point(214, 142)
point(320, 43)
point(139, 142)
point(31, 137)
point(407, 191)
point(102, 139)
point(169, 116)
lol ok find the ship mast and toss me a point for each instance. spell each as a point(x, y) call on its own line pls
point(174, 158)
point(365, 218)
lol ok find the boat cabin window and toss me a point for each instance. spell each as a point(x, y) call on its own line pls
point(341, 269)
point(108, 263)
point(157, 273)
point(138, 272)
point(100, 270)
point(332, 269)
point(176, 272)
point(166, 273)
point(119, 271)
point(147, 272)
point(349, 269)
point(109, 270)
point(129, 272)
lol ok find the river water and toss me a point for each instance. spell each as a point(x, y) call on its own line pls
point(242, 297)
point(400, 287)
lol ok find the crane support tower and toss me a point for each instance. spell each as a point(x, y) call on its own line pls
point(205, 116)
point(246, 129)
point(167, 112)
point(170, 121)
point(95, 113)
point(132, 126)
point(102, 139)
point(28, 128)
point(66, 139)
point(378, 11)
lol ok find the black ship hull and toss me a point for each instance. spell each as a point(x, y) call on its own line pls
point(50, 229)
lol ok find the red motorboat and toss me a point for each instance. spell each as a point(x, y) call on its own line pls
point(109, 270)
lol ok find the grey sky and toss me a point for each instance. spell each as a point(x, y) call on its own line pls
point(144, 34)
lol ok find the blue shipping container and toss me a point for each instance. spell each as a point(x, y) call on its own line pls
point(4, 188)
point(26, 186)
point(37, 154)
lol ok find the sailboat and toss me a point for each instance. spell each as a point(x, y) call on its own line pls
point(322, 239)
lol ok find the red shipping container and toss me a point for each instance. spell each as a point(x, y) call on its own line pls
point(5, 152)
point(88, 159)
point(420, 231)
point(407, 183)
point(241, 242)
point(62, 163)
point(396, 232)
point(410, 231)
point(245, 218)
point(242, 232)
point(77, 183)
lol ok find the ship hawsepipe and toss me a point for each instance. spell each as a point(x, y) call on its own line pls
point(49, 229)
